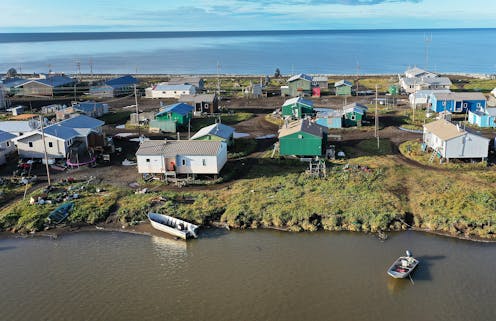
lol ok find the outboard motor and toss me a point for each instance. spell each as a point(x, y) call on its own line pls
point(408, 253)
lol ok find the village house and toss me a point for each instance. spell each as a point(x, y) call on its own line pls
point(45, 85)
point(457, 102)
point(354, 114)
point(411, 85)
point(74, 135)
point(116, 87)
point(253, 91)
point(416, 72)
point(298, 85)
point(320, 81)
point(171, 157)
point(203, 103)
point(216, 132)
point(198, 82)
point(180, 113)
point(450, 141)
point(16, 127)
point(297, 108)
point(91, 108)
point(329, 118)
point(6, 145)
point(303, 138)
point(343, 88)
point(10, 85)
point(483, 119)
point(421, 97)
point(164, 90)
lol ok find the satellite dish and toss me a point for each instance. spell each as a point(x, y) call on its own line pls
point(34, 124)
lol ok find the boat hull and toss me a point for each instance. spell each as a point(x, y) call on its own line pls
point(172, 226)
point(402, 267)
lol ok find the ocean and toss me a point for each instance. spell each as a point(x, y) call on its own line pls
point(252, 52)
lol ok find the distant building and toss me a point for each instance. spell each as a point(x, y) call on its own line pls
point(303, 138)
point(329, 118)
point(6, 145)
point(320, 81)
point(164, 90)
point(16, 127)
point(421, 97)
point(216, 132)
point(91, 108)
point(171, 157)
point(457, 102)
point(343, 88)
point(203, 103)
point(450, 141)
point(181, 113)
point(10, 85)
point(3, 100)
point(46, 85)
point(483, 119)
point(253, 91)
point(419, 73)
point(297, 108)
point(299, 85)
point(116, 87)
point(354, 114)
point(198, 82)
point(411, 85)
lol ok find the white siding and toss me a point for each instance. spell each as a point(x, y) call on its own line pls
point(170, 93)
point(57, 150)
point(150, 164)
point(467, 146)
point(197, 164)
point(7, 149)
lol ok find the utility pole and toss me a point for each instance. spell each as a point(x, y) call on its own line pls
point(376, 116)
point(358, 76)
point(218, 78)
point(91, 68)
point(45, 150)
point(137, 110)
point(189, 128)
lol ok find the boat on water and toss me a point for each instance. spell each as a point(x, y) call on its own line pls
point(173, 226)
point(403, 266)
point(60, 213)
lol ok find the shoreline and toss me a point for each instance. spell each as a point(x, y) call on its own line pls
point(145, 229)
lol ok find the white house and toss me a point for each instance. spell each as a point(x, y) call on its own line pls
point(181, 157)
point(421, 97)
point(451, 141)
point(493, 92)
point(411, 85)
point(60, 138)
point(164, 90)
point(6, 145)
point(16, 127)
point(417, 72)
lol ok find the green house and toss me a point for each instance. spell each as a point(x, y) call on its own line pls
point(354, 114)
point(216, 132)
point(181, 113)
point(299, 85)
point(297, 108)
point(303, 138)
point(343, 88)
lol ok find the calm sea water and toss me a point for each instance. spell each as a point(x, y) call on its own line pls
point(250, 275)
point(330, 52)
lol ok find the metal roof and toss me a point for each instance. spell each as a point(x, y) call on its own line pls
point(209, 98)
point(303, 125)
point(82, 121)
point(300, 76)
point(444, 129)
point(443, 81)
point(327, 112)
point(60, 131)
point(343, 83)
point(13, 82)
point(122, 81)
point(460, 96)
point(166, 87)
point(53, 81)
point(359, 108)
point(172, 148)
point(298, 100)
point(179, 108)
point(491, 112)
point(219, 130)
point(185, 81)
point(15, 126)
point(416, 72)
point(320, 78)
point(87, 106)
point(5, 136)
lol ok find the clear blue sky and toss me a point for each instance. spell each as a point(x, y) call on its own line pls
point(173, 15)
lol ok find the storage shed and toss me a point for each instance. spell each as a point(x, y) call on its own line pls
point(216, 132)
point(298, 85)
point(343, 88)
point(329, 118)
point(180, 112)
point(303, 138)
point(354, 114)
point(483, 119)
point(297, 108)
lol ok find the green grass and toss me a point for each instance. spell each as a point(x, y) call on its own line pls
point(474, 84)
point(242, 147)
point(228, 119)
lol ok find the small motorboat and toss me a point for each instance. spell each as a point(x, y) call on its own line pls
point(60, 213)
point(173, 226)
point(403, 266)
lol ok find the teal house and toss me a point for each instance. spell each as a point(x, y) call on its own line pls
point(297, 108)
point(354, 114)
point(299, 85)
point(329, 118)
point(181, 113)
point(303, 138)
point(483, 119)
point(343, 88)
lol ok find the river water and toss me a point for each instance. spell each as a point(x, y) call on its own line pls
point(244, 275)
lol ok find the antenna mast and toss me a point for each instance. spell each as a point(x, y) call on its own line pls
point(218, 78)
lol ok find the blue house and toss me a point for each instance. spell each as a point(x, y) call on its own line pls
point(457, 102)
point(483, 119)
point(329, 118)
point(91, 108)
point(115, 87)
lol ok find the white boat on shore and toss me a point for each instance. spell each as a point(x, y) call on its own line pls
point(173, 226)
point(403, 266)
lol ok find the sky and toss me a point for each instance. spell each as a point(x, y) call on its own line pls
point(197, 15)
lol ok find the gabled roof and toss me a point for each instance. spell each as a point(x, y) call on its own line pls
point(59, 131)
point(166, 87)
point(82, 121)
point(356, 107)
point(52, 81)
point(15, 126)
point(13, 82)
point(198, 98)
point(219, 130)
point(303, 125)
point(460, 96)
point(444, 129)
point(179, 108)
point(298, 100)
point(185, 80)
point(417, 72)
point(440, 81)
point(172, 148)
point(122, 81)
point(327, 112)
point(87, 106)
point(320, 78)
point(300, 76)
point(6, 136)
point(343, 83)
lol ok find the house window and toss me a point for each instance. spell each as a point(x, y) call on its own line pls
point(8, 144)
point(352, 117)
point(30, 144)
point(444, 103)
point(183, 162)
point(300, 136)
point(50, 144)
point(147, 160)
point(465, 105)
point(204, 162)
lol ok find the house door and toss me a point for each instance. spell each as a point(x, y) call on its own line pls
point(458, 107)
